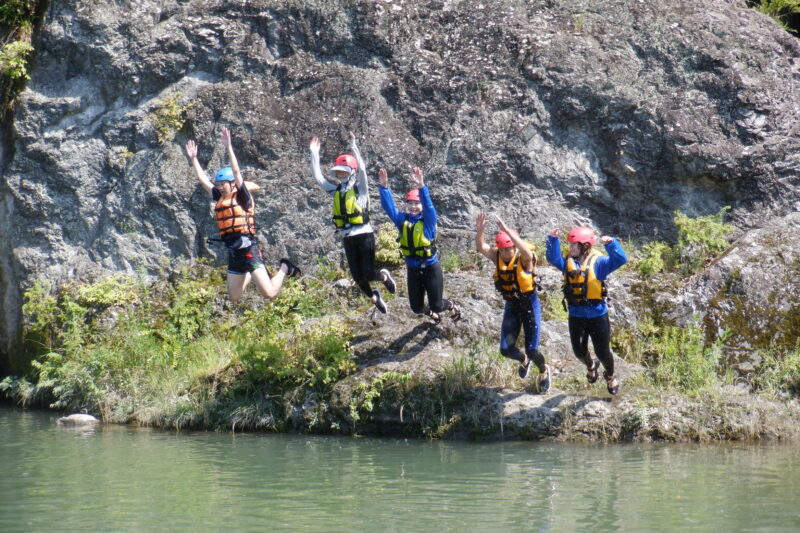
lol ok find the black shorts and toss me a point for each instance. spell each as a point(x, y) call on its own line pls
point(244, 260)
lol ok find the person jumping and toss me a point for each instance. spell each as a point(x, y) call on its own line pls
point(235, 214)
point(417, 229)
point(585, 271)
point(351, 217)
point(515, 279)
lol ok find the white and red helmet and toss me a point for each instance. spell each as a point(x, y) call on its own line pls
point(346, 163)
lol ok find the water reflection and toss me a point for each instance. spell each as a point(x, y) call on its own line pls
point(112, 478)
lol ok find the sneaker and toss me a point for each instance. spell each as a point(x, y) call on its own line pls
point(456, 316)
point(379, 303)
point(523, 368)
point(611, 383)
point(291, 269)
point(544, 380)
point(389, 283)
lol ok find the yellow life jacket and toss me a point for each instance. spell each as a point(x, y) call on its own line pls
point(511, 279)
point(580, 285)
point(413, 242)
point(233, 219)
point(346, 211)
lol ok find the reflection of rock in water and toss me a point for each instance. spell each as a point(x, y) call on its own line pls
point(78, 420)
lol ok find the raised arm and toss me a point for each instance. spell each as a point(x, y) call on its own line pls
point(316, 171)
point(387, 200)
point(480, 244)
point(525, 253)
point(429, 216)
point(361, 175)
point(191, 153)
point(225, 137)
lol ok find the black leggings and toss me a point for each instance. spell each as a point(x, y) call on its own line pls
point(599, 329)
point(426, 280)
point(360, 252)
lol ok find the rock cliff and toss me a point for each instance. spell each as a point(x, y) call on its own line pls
point(550, 113)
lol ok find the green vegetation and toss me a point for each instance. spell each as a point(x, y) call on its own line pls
point(165, 353)
point(17, 13)
point(387, 251)
point(780, 10)
point(700, 239)
point(169, 117)
point(13, 60)
point(453, 261)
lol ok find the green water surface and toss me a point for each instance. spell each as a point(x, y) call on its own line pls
point(125, 479)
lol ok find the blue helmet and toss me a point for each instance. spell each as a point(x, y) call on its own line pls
point(224, 174)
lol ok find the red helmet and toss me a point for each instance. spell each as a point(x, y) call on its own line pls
point(413, 195)
point(345, 162)
point(503, 240)
point(581, 234)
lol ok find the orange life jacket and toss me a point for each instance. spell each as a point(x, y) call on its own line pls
point(232, 219)
point(511, 279)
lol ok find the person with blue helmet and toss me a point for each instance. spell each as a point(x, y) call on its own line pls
point(417, 228)
point(235, 214)
point(584, 273)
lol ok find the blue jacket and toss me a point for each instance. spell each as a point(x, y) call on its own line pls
point(429, 220)
point(603, 266)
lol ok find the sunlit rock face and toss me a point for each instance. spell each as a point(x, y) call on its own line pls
point(551, 113)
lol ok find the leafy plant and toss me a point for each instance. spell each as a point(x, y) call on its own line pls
point(655, 258)
point(700, 238)
point(387, 246)
point(13, 60)
point(779, 373)
point(169, 117)
point(17, 12)
point(779, 10)
point(682, 360)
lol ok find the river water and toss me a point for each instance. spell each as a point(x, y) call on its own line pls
point(128, 479)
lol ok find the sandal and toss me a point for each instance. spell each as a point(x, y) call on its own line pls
point(591, 374)
point(456, 312)
point(611, 383)
point(435, 317)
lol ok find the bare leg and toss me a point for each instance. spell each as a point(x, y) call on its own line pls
point(269, 288)
point(236, 284)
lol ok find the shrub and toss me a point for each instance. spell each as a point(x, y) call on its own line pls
point(453, 261)
point(779, 374)
point(13, 60)
point(655, 258)
point(700, 238)
point(169, 117)
point(682, 360)
point(304, 357)
point(17, 13)
point(387, 246)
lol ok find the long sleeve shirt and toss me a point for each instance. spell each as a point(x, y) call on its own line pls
point(603, 266)
point(359, 181)
point(429, 219)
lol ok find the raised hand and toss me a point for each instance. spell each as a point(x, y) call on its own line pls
point(191, 149)
point(605, 239)
point(314, 144)
point(352, 136)
point(501, 224)
point(556, 233)
point(383, 177)
point(225, 137)
point(417, 178)
point(480, 222)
